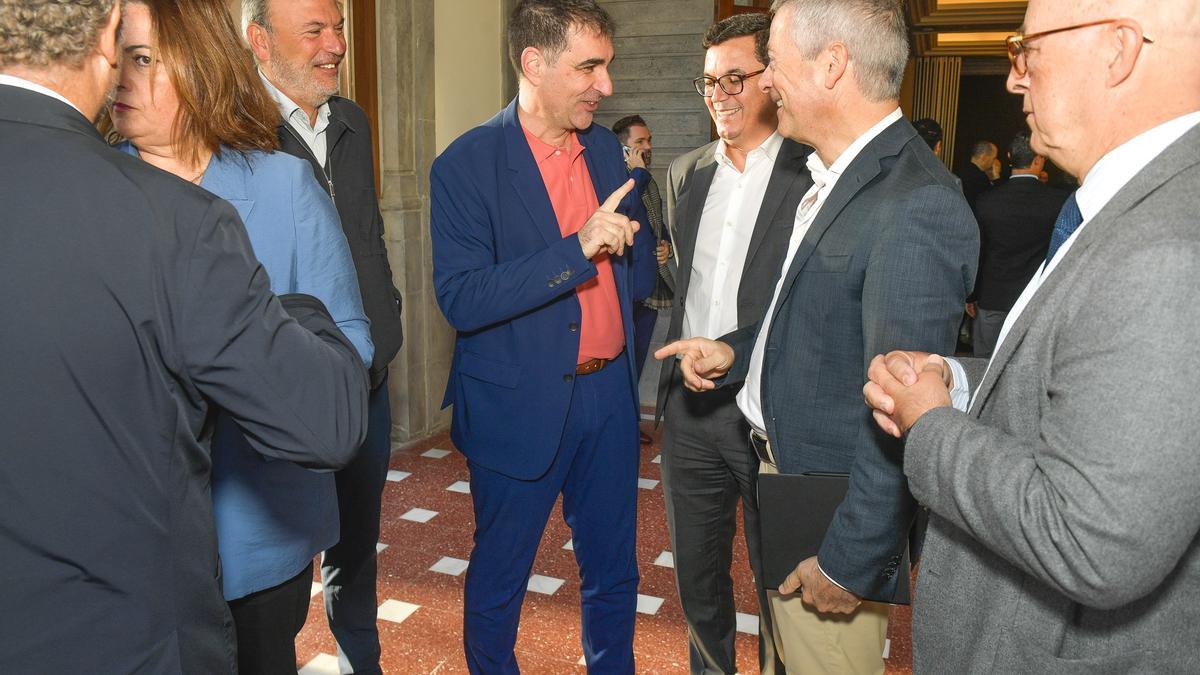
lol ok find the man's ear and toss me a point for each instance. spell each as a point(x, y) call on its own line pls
point(837, 59)
point(260, 42)
point(107, 42)
point(532, 64)
point(1126, 43)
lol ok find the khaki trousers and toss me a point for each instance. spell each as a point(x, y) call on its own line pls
point(809, 642)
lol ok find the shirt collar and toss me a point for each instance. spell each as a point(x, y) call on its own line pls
point(817, 167)
point(768, 148)
point(1122, 163)
point(543, 151)
point(14, 81)
point(290, 109)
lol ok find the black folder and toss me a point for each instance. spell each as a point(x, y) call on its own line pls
point(795, 511)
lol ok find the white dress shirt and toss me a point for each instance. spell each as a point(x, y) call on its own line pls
point(749, 399)
point(14, 81)
point(1103, 182)
point(312, 135)
point(723, 239)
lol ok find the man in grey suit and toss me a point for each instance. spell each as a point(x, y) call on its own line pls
point(731, 205)
point(882, 252)
point(1065, 500)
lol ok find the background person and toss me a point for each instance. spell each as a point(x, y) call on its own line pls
point(299, 46)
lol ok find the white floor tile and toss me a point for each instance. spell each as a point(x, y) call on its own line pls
point(436, 453)
point(419, 515)
point(322, 664)
point(887, 648)
point(397, 476)
point(544, 585)
point(648, 604)
point(569, 546)
point(379, 546)
point(647, 483)
point(665, 559)
point(582, 661)
point(451, 566)
point(747, 623)
point(315, 590)
point(657, 459)
point(647, 417)
point(396, 611)
point(460, 486)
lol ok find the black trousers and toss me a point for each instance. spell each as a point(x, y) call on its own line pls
point(267, 624)
point(707, 466)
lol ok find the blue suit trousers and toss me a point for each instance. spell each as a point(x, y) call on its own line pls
point(595, 470)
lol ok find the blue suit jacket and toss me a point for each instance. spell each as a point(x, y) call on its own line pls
point(273, 516)
point(505, 278)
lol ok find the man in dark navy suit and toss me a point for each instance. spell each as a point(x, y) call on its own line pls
point(133, 306)
point(1015, 222)
point(533, 221)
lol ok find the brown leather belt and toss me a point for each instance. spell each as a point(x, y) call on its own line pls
point(591, 366)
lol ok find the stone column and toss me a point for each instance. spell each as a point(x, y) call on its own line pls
point(407, 142)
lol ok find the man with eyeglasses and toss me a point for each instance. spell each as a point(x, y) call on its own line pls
point(882, 252)
point(1065, 498)
point(730, 208)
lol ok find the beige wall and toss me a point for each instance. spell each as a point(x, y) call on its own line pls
point(468, 65)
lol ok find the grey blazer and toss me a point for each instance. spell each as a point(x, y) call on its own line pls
point(886, 265)
point(1065, 505)
point(689, 179)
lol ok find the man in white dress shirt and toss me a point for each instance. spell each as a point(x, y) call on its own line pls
point(882, 251)
point(731, 205)
point(1064, 482)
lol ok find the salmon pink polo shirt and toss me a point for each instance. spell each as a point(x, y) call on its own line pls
point(569, 184)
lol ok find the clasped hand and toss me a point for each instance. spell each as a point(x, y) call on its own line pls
point(903, 386)
point(607, 231)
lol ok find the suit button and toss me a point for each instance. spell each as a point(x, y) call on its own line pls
point(564, 276)
point(568, 378)
point(552, 283)
point(573, 327)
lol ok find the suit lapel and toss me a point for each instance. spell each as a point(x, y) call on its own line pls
point(691, 207)
point(1179, 156)
point(788, 171)
point(527, 179)
point(861, 171)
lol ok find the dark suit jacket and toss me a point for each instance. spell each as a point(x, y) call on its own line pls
point(134, 306)
point(886, 265)
point(1015, 222)
point(974, 183)
point(690, 176)
point(505, 278)
point(350, 180)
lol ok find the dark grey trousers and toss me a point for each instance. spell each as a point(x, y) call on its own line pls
point(707, 466)
point(988, 323)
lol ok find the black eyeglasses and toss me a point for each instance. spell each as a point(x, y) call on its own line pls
point(732, 84)
point(1017, 50)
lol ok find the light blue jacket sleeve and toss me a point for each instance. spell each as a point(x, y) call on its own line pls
point(324, 268)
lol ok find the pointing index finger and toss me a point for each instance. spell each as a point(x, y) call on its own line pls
point(614, 200)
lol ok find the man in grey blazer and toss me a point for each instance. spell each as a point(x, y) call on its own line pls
point(1065, 500)
point(882, 252)
point(731, 205)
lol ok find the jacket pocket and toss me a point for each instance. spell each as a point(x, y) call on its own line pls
point(495, 372)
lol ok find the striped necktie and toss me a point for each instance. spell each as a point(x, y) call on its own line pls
point(1069, 220)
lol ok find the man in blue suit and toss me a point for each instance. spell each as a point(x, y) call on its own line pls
point(533, 271)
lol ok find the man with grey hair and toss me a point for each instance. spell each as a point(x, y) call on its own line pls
point(882, 252)
point(299, 46)
point(1064, 532)
point(136, 307)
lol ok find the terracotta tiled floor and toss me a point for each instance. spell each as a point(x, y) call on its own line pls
point(428, 636)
